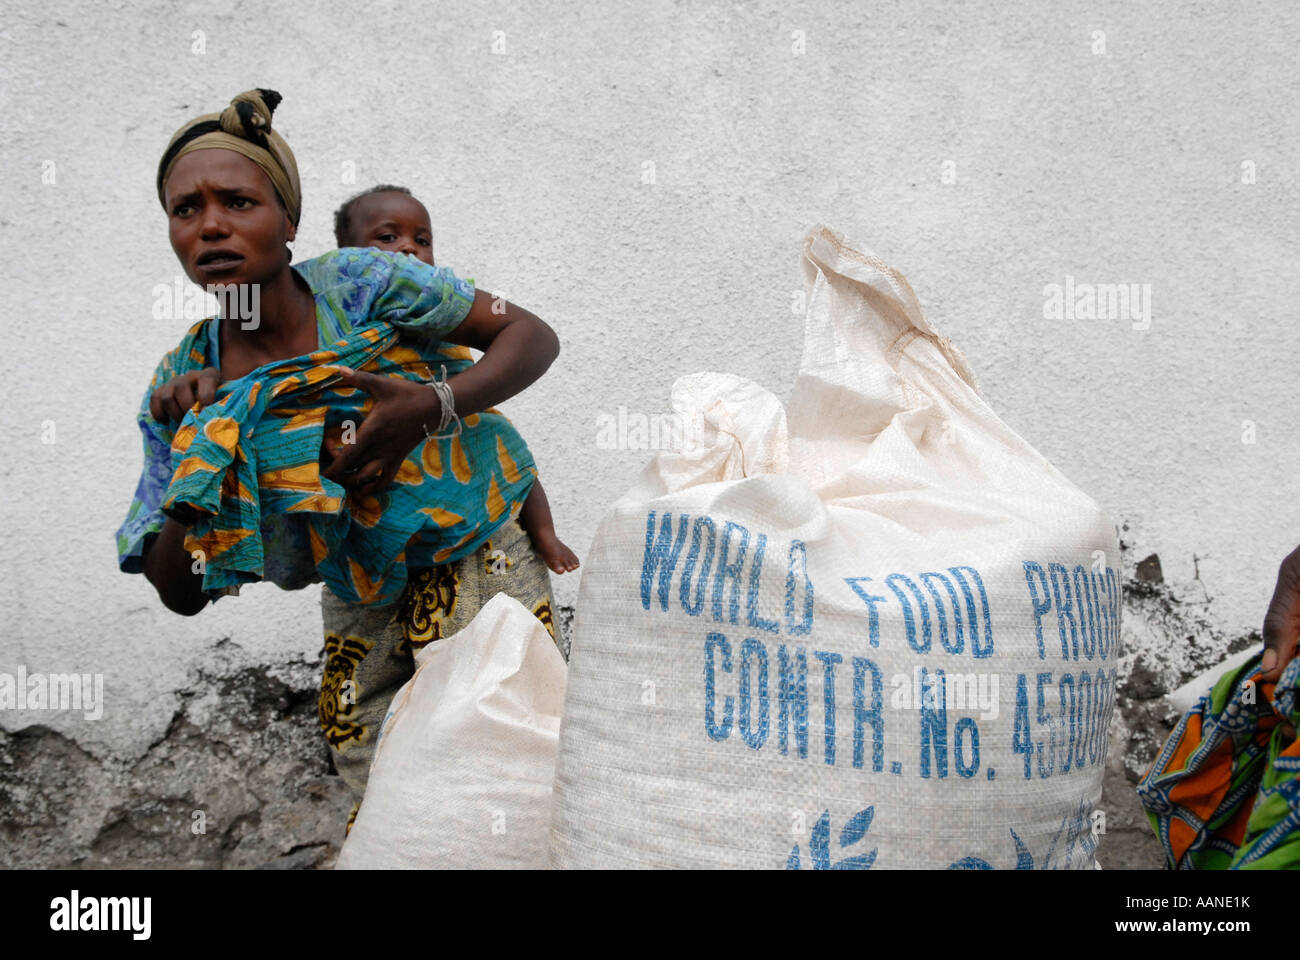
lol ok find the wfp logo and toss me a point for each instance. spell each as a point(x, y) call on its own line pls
point(819, 844)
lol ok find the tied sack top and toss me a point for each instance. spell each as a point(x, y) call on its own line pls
point(246, 469)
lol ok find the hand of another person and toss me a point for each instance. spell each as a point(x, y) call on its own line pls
point(170, 402)
point(1282, 622)
point(392, 429)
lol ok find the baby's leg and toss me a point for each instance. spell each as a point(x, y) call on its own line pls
point(535, 515)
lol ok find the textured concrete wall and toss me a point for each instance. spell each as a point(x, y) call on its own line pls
point(987, 151)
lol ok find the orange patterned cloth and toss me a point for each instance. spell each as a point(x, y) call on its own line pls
point(1223, 793)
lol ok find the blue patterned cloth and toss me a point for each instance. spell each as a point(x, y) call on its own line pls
point(357, 292)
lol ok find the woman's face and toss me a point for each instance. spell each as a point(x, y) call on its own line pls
point(226, 221)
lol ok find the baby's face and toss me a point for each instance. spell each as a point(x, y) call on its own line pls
point(392, 221)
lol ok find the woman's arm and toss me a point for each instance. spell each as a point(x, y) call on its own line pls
point(517, 346)
point(169, 567)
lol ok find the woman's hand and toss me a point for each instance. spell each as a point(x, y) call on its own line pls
point(171, 570)
point(392, 429)
point(171, 401)
point(1282, 622)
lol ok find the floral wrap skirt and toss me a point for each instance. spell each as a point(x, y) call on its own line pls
point(370, 651)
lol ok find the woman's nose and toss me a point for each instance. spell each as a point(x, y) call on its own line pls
point(212, 222)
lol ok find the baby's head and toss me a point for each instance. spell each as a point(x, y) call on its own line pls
point(386, 217)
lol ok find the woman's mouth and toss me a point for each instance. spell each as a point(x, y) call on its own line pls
point(219, 261)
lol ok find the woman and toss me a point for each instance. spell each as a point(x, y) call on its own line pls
point(230, 187)
point(1223, 792)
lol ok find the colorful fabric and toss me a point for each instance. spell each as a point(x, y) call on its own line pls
point(254, 453)
point(245, 128)
point(1223, 793)
point(370, 652)
point(286, 546)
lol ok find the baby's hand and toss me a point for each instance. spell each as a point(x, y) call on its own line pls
point(171, 401)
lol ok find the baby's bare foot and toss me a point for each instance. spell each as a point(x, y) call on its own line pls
point(555, 554)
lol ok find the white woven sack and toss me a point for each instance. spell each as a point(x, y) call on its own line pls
point(462, 774)
point(884, 638)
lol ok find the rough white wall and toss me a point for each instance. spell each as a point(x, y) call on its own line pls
point(1117, 167)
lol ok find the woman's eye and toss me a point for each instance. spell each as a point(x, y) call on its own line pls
point(241, 200)
point(180, 210)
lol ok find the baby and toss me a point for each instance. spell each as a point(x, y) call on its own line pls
point(389, 218)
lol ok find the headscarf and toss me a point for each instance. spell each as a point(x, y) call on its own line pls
point(244, 127)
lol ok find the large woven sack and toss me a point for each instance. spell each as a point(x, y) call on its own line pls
point(462, 774)
point(882, 637)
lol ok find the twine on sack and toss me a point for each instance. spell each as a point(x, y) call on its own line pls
point(907, 295)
